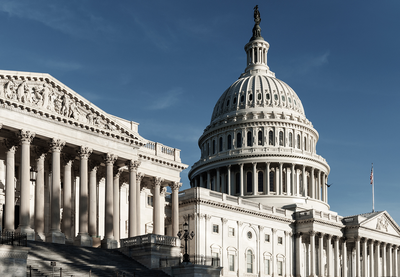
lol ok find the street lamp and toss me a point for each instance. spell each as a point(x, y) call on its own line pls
point(186, 236)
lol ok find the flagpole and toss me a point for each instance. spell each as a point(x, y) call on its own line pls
point(373, 181)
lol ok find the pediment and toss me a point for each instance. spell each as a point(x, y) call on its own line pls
point(382, 222)
point(43, 95)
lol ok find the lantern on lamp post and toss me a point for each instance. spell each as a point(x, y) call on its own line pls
point(186, 236)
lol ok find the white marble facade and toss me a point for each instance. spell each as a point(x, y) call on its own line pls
point(259, 195)
point(70, 172)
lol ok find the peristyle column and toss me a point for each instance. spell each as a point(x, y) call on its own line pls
point(312, 253)
point(175, 207)
point(67, 214)
point(133, 166)
point(10, 186)
point(116, 215)
point(157, 206)
point(39, 195)
point(94, 167)
point(139, 177)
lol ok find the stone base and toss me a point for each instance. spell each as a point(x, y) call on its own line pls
point(40, 236)
point(30, 233)
point(108, 243)
point(55, 236)
point(83, 239)
point(13, 261)
point(196, 270)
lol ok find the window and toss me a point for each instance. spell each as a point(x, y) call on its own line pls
point(305, 143)
point(280, 268)
point(298, 141)
point(208, 149)
point(266, 237)
point(271, 137)
point(268, 96)
point(220, 144)
point(259, 96)
point(251, 97)
point(249, 235)
point(150, 200)
point(276, 97)
point(237, 183)
point(213, 146)
point(249, 139)
point(227, 103)
point(249, 182)
point(249, 260)
point(267, 267)
point(239, 140)
point(280, 240)
point(234, 100)
point(281, 138)
point(215, 259)
point(229, 142)
point(242, 98)
point(290, 140)
point(271, 181)
point(215, 228)
point(260, 138)
point(260, 181)
point(231, 260)
point(231, 232)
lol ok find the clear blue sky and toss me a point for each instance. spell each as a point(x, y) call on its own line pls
point(164, 64)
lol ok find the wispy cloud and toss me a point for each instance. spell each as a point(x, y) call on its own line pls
point(168, 99)
point(305, 64)
point(61, 65)
point(63, 16)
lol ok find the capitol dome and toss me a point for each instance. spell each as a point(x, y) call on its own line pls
point(259, 144)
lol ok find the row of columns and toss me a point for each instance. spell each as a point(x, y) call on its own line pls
point(299, 180)
point(87, 195)
point(371, 258)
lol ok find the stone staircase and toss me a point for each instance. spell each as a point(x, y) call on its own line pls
point(83, 261)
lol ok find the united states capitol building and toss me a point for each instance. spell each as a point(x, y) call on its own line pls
point(70, 173)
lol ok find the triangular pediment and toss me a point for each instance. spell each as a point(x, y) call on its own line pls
point(381, 221)
point(43, 95)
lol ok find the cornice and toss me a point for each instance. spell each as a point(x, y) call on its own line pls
point(158, 161)
point(316, 220)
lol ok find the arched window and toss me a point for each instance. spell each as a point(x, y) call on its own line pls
point(284, 190)
point(208, 149)
point(271, 181)
point(229, 142)
point(305, 143)
point(301, 184)
point(298, 141)
point(271, 137)
point(238, 140)
point(290, 140)
point(260, 181)
point(260, 138)
point(220, 144)
point(237, 183)
point(249, 260)
point(213, 146)
point(249, 177)
point(249, 139)
point(281, 138)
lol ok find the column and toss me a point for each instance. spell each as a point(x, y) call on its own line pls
point(83, 238)
point(280, 189)
point(94, 166)
point(384, 267)
point(344, 258)
point(39, 196)
point(241, 179)
point(377, 270)
point(116, 200)
point(108, 240)
point(139, 177)
point(133, 229)
point(312, 183)
point(304, 192)
point(358, 256)
point(157, 206)
point(299, 252)
point(10, 186)
point(389, 260)
point(255, 183)
point(288, 182)
point(175, 207)
point(312, 254)
point(329, 258)
point(321, 267)
point(318, 195)
point(67, 197)
point(293, 183)
point(266, 190)
point(24, 227)
point(229, 180)
point(324, 194)
point(218, 182)
point(336, 272)
point(55, 235)
point(364, 258)
point(208, 180)
point(396, 264)
point(371, 258)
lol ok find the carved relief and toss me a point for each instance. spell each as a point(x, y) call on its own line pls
point(382, 224)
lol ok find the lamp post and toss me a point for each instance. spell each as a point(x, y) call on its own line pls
point(186, 236)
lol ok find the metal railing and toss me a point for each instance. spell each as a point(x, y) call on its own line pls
point(150, 238)
point(194, 259)
point(12, 238)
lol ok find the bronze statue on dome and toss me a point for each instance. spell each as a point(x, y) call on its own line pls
point(256, 28)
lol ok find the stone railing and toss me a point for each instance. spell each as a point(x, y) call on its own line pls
point(158, 149)
point(150, 239)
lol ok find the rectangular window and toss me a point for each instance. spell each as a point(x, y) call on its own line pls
point(215, 228)
point(267, 269)
point(150, 200)
point(215, 259)
point(266, 237)
point(231, 232)
point(231, 259)
point(280, 240)
point(280, 268)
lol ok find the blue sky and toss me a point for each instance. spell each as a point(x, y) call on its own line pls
point(164, 64)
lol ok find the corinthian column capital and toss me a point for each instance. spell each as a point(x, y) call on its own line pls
point(175, 186)
point(133, 165)
point(110, 158)
point(56, 144)
point(26, 136)
point(84, 152)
